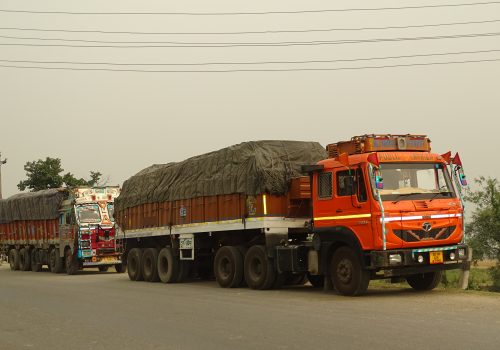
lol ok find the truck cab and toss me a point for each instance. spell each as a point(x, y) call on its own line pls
point(384, 206)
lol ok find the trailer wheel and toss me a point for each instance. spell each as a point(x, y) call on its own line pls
point(35, 263)
point(134, 264)
point(168, 266)
point(258, 268)
point(150, 265)
point(14, 259)
point(317, 281)
point(103, 268)
point(295, 280)
point(425, 281)
point(24, 259)
point(55, 261)
point(184, 270)
point(228, 267)
point(348, 276)
point(70, 262)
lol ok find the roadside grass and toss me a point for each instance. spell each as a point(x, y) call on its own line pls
point(484, 276)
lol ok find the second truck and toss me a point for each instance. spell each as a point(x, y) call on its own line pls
point(269, 213)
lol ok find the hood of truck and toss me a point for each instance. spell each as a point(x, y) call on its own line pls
point(420, 223)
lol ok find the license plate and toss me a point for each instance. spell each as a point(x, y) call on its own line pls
point(186, 243)
point(436, 257)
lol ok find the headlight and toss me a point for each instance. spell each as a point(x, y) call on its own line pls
point(420, 259)
point(395, 259)
point(452, 256)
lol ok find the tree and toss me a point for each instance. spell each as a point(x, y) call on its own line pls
point(44, 174)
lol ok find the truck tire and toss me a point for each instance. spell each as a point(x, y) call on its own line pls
point(55, 261)
point(168, 266)
point(134, 264)
point(14, 259)
point(184, 270)
point(258, 268)
point(120, 268)
point(295, 279)
point(228, 267)
point(36, 266)
point(103, 268)
point(348, 275)
point(317, 281)
point(70, 262)
point(24, 259)
point(425, 281)
point(150, 265)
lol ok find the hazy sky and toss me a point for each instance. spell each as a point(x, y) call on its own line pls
point(121, 122)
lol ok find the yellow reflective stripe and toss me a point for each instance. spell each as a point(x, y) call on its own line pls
point(359, 216)
point(265, 204)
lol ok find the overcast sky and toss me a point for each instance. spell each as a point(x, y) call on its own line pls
point(121, 122)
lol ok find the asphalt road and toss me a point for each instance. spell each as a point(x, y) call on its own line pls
point(95, 310)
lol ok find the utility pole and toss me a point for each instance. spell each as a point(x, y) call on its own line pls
point(2, 162)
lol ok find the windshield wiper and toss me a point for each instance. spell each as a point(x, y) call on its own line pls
point(404, 194)
point(438, 193)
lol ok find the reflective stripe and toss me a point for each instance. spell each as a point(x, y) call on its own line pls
point(264, 202)
point(435, 249)
point(410, 218)
point(359, 216)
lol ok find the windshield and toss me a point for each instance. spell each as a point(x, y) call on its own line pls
point(415, 181)
point(88, 213)
point(111, 211)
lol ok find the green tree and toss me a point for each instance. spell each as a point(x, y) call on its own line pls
point(484, 228)
point(44, 174)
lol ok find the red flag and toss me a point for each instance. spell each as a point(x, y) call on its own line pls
point(447, 157)
point(373, 158)
point(456, 160)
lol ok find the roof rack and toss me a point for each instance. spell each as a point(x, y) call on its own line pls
point(380, 143)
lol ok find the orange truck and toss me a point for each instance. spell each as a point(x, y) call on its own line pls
point(65, 229)
point(268, 213)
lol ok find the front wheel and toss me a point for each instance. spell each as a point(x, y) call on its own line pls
point(14, 259)
point(425, 281)
point(103, 268)
point(70, 262)
point(348, 275)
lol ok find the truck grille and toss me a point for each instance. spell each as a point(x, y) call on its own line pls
point(421, 235)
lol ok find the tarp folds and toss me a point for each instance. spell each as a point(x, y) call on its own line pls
point(40, 205)
point(249, 168)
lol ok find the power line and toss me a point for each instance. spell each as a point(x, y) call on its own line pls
point(252, 32)
point(252, 63)
point(177, 44)
point(255, 13)
point(250, 70)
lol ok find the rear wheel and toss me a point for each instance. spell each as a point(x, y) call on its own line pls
point(348, 276)
point(258, 268)
point(228, 267)
point(24, 259)
point(120, 268)
point(103, 268)
point(35, 261)
point(168, 266)
point(55, 261)
point(150, 265)
point(70, 262)
point(14, 259)
point(134, 264)
point(425, 281)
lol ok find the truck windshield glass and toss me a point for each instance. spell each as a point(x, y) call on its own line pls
point(415, 181)
point(111, 211)
point(88, 213)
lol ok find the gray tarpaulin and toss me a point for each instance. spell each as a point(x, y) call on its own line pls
point(40, 205)
point(250, 168)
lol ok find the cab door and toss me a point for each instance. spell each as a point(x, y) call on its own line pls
point(351, 208)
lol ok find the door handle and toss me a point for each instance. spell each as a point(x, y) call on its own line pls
point(339, 211)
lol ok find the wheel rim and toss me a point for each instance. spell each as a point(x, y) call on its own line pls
point(256, 268)
point(225, 268)
point(344, 271)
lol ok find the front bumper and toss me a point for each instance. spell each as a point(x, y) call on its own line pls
point(409, 264)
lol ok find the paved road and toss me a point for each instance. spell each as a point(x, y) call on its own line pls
point(106, 311)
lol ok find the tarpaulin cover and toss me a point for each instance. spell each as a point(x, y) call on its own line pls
point(250, 168)
point(40, 205)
